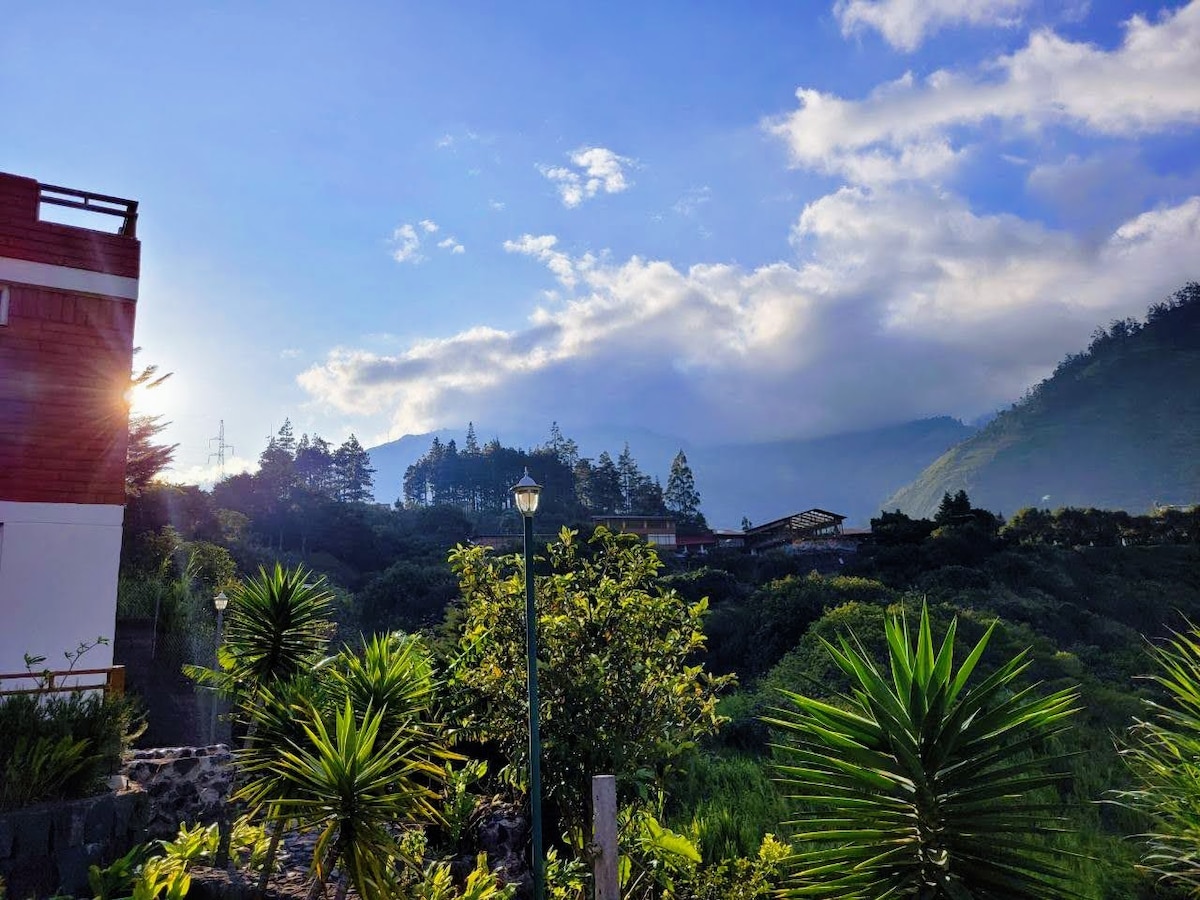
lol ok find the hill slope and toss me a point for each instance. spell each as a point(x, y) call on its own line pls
point(1115, 427)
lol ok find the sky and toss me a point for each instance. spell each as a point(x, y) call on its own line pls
point(725, 222)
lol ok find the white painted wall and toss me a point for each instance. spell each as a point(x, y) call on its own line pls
point(58, 581)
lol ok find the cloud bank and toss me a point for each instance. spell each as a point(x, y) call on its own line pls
point(885, 321)
point(913, 129)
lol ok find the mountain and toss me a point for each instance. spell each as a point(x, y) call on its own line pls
point(1115, 427)
point(845, 473)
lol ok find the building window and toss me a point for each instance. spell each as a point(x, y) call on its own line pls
point(3, 304)
point(661, 540)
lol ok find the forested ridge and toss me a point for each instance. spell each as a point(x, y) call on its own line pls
point(1116, 426)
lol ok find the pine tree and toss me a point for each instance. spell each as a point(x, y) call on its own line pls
point(605, 486)
point(355, 475)
point(314, 465)
point(145, 459)
point(471, 445)
point(277, 464)
point(681, 497)
point(627, 469)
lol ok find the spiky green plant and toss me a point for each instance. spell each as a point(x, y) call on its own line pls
point(277, 622)
point(916, 785)
point(351, 785)
point(1163, 754)
point(277, 627)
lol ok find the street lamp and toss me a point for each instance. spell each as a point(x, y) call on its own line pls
point(220, 602)
point(526, 493)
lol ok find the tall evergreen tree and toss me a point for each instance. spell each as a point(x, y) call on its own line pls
point(605, 486)
point(314, 465)
point(277, 463)
point(355, 475)
point(145, 459)
point(471, 445)
point(629, 474)
point(681, 497)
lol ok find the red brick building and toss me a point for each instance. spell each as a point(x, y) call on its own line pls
point(67, 301)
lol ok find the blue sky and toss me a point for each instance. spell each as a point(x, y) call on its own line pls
point(720, 221)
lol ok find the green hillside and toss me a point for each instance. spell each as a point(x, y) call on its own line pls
point(1115, 427)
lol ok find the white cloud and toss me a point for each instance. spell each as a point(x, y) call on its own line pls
point(496, 205)
point(905, 23)
point(692, 200)
point(592, 170)
point(289, 353)
point(407, 241)
point(541, 247)
point(910, 129)
point(406, 246)
point(903, 303)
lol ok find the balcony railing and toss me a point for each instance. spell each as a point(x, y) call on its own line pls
point(126, 210)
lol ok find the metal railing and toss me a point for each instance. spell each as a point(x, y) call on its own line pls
point(91, 202)
point(49, 682)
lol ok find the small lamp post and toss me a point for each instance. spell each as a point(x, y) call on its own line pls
point(220, 602)
point(526, 493)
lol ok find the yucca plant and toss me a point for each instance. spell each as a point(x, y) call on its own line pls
point(353, 785)
point(277, 623)
point(1163, 754)
point(916, 785)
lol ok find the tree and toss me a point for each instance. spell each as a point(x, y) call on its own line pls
point(953, 510)
point(627, 469)
point(915, 785)
point(353, 473)
point(1161, 753)
point(277, 463)
point(314, 465)
point(619, 694)
point(145, 459)
point(681, 497)
point(604, 486)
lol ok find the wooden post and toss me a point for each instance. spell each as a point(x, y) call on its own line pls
point(604, 837)
point(116, 681)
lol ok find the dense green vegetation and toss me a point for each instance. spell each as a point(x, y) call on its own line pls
point(1114, 427)
point(1063, 604)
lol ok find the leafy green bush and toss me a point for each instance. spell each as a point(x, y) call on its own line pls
point(619, 692)
point(62, 747)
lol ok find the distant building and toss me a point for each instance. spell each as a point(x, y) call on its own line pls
point(656, 530)
point(814, 525)
point(67, 302)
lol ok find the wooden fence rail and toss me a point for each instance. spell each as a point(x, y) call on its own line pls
point(78, 680)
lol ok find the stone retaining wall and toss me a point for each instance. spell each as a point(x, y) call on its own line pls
point(47, 848)
point(185, 785)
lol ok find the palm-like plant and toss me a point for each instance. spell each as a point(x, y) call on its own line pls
point(277, 628)
point(1163, 753)
point(352, 784)
point(922, 786)
point(277, 623)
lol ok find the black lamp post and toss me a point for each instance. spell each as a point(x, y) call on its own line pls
point(526, 493)
point(220, 602)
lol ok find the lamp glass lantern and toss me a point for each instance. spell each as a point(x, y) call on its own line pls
point(526, 493)
point(220, 601)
